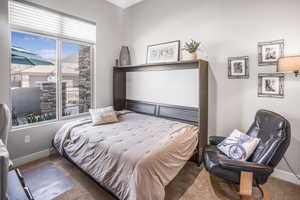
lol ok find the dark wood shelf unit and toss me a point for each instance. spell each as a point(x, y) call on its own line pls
point(119, 90)
point(193, 64)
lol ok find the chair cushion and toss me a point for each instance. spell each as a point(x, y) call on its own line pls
point(212, 162)
point(212, 157)
point(238, 145)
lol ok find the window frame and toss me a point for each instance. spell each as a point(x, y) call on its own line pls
point(60, 77)
point(59, 41)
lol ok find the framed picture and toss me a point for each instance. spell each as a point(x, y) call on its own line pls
point(270, 52)
point(164, 52)
point(238, 67)
point(271, 85)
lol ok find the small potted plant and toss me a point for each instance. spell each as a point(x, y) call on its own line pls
point(192, 48)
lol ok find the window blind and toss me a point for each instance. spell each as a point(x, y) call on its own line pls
point(28, 17)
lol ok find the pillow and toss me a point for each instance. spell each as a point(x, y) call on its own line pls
point(123, 112)
point(103, 115)
point(238, 146)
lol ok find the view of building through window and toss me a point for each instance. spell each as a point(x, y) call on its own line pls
point(34, 74)
point(76, 78)
point(33, 78)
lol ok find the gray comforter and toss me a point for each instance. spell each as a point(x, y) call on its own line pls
point(134, 158)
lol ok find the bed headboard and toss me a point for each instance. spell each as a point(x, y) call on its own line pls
point(198, 116)
point(184, 114)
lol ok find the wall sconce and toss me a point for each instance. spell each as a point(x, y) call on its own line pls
point(289, 64)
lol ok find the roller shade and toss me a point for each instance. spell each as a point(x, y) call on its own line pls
point(29, 17)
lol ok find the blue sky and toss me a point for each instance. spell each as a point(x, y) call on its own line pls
point(45, 47)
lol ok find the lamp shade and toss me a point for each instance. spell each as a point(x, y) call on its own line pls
point(289, 64)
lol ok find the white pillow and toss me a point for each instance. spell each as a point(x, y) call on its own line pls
point(103, 115)
point(238, 145)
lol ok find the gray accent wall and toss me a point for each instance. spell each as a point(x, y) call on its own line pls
point(108, 18)
point(226, 28)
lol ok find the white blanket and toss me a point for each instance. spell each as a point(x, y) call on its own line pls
point(134, 158)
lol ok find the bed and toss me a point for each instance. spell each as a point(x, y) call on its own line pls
point(134, 158)
point(137, 157)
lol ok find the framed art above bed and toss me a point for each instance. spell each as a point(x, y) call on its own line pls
point(163, 52)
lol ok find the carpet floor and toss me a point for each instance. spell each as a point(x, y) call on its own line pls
point(192, 183)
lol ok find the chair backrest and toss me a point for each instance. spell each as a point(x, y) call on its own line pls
point(275, 134)
point(4, 122)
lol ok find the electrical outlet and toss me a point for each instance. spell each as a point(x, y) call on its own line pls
point(27, 139)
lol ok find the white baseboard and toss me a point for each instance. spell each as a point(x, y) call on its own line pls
point(284, 175)
point(31, 157)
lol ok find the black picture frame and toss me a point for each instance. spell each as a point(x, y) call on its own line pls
point(231, 61)
point(160, 44)
point(261, 55)
point(280, 90)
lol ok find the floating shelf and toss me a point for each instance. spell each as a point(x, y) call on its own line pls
point(190, 64)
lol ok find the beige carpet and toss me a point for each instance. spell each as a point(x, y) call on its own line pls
point(192, 183)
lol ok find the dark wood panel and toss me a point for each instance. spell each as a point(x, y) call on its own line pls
point(203, 107)
point(141, 107)
point(180, 113)
point(119, 90)
point(160, 66)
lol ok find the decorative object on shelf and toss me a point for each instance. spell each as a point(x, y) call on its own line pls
point(164, 52)
point(124, 56)
point(289, 64)
point(192, 48)
point(271, 85)
point(238, 67)
point(117, 63)
point(270, 52)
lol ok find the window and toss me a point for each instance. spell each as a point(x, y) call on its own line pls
point(33, 78)
point(50, 69)
point(76, 78)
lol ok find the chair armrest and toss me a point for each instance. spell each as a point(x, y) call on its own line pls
point(245, 166)
point(215, 140)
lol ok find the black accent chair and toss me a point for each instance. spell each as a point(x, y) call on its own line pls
point(275, 134)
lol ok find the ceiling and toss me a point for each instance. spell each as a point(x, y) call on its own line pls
point(124, 3)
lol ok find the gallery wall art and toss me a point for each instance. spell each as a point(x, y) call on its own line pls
point(270, 52)
point(164, 52)
point(271, 85)
point(238, 67)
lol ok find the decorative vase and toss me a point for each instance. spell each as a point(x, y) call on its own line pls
point(194, 56)
point(124, 56)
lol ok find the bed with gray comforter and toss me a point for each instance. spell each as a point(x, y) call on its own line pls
point(134, 158)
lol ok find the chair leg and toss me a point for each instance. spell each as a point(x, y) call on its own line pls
point(246, 182)
point(265, 192)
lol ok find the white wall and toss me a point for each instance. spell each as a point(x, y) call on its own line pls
point(155, 87)
point(225, 28)
point(108, 18)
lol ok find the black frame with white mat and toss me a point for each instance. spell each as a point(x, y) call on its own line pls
point(238, 67)
point(271, 85)
point(269, 52)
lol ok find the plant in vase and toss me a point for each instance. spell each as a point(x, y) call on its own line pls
point(192, 48)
